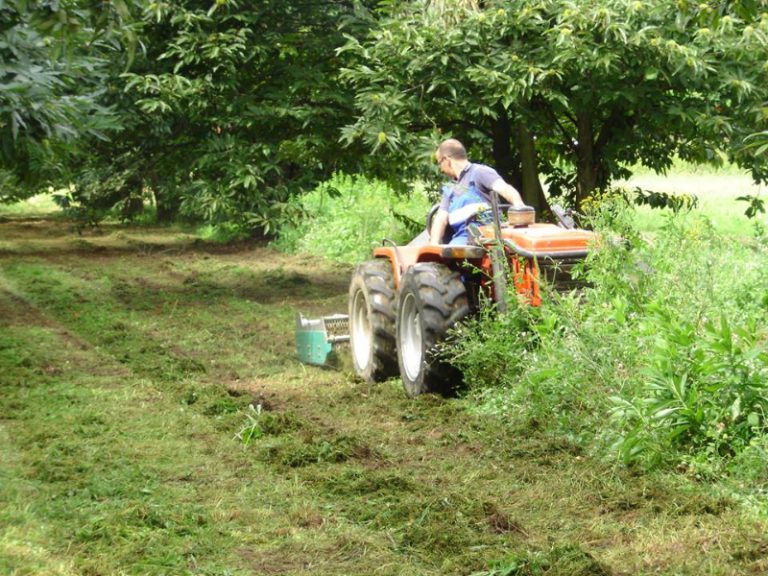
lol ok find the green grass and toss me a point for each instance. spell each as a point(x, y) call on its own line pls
point(717, 195)
point(132, 367)
point(36, 206)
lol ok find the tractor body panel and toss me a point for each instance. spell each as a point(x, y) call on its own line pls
point(545, 238)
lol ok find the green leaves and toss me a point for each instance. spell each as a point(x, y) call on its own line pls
point(756, 205)
point(600, 84)
point(50, 92)
point(705, 388)
point(231, 109)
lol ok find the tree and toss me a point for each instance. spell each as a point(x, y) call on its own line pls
point(574, 90)
point(230, 109)
point(50, 67)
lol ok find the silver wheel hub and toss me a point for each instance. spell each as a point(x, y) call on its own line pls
point(411, 338)
point(361, 331)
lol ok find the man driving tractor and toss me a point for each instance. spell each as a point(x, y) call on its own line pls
point(404, 301)
point(467, 199)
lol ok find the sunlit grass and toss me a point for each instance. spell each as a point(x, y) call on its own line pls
point(717, 196)
point(36, 206)
point(131, 360)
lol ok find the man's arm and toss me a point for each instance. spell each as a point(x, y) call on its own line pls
point(439, 222)
point(508, 192)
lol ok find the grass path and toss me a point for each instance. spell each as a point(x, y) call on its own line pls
point(129, 375)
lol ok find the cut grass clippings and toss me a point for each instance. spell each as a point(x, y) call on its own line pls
point(129, 379)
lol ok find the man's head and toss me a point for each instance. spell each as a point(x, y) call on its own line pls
point(451, 157)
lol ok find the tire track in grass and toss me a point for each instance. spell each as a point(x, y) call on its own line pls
point(117, 478)
point(88, 311)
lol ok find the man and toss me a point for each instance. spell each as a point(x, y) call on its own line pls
point(469, 194)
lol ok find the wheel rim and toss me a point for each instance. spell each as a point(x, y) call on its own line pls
point(410, 338)
point(361, 331)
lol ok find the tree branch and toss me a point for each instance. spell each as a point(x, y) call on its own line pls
point(616, 120)
point(567, 136)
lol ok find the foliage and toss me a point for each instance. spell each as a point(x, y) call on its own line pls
point(759, 140)
point(223, 233)
point(756, 205)
point(573, 90)
point(705, 389)
point(226, 111)
point(229, 110)
point(676, 202)
point(345, 217)
point(668, 340)
point(52, 64)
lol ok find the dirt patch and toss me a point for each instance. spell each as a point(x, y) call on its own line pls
point(501, 523)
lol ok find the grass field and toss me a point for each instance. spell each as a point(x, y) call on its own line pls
point(717, 197)
point(41, 205)
point(154, 420)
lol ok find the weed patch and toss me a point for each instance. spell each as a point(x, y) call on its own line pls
point(661, 361)
point(349, 216)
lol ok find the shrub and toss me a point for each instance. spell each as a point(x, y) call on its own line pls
point(223, 233)
point(662, 360)
point(346, 217)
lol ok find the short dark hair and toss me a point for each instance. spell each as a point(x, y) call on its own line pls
point(452, 148)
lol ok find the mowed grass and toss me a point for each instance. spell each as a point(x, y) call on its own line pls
point(132, 373)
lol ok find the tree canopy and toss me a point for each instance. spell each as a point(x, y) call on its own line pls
point(222, 110)
point(52, 61)
point(229, 110)
point(576, 91)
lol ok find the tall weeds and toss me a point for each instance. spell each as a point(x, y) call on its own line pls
point(345, 217)
point(661, 361)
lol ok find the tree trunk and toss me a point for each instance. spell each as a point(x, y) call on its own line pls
point(167, 202)
point(506, 162)
point(586, 167)
point(532, 192)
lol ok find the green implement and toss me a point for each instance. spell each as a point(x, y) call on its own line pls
point(315, 338)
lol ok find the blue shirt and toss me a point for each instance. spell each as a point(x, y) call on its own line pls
point(481, 175)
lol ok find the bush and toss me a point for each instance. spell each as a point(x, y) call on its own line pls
point(346, 217)
point(223, 233)
point(661, 361)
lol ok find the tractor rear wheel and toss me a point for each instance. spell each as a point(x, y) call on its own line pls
point(372, 320)
point(432, 300)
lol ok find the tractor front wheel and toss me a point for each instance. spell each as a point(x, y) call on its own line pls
point(372, 320)
point(432, 300)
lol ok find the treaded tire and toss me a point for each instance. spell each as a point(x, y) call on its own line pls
point(372, 320)
point(432, 300)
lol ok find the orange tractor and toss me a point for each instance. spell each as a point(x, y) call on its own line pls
point(403, 303)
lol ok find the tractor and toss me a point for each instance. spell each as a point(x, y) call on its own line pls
point(404, 302)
